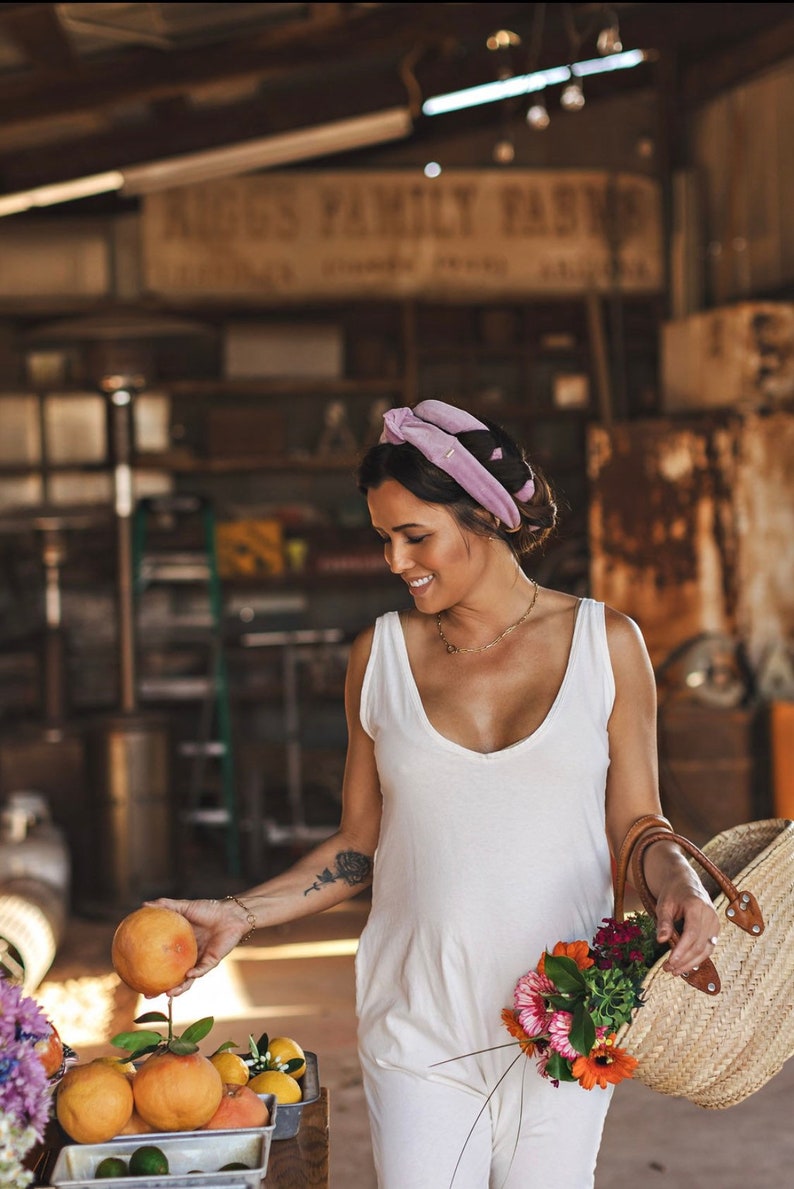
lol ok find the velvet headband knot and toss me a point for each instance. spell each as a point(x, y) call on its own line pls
point(430, 427)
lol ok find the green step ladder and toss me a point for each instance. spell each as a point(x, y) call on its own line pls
point(181, 553)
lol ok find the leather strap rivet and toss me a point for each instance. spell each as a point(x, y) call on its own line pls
point(731, 912)
point(756, 928)
point(712, 986)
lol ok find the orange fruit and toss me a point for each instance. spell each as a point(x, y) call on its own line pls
point(285, 1088)
point(153, 949)
point(94, 1102)
point(135, 1125)
point(231, 1067)
point(177, 1092)
point(282, 1049)
point(240, 1107)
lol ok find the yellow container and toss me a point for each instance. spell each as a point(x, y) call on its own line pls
point(250, 548)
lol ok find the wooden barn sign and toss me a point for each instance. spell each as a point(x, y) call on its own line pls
point(465, 235)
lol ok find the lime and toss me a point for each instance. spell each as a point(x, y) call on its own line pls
point(233, 1166)
point(111, 1166)
point(148, 1161)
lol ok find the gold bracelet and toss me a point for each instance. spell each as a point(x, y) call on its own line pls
point(251, 919)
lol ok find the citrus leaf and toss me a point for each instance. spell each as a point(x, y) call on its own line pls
point(137, 1054)
point(182, 1047)
point(197, 1031)
point(263, 1043)
point(135, 1040)
point(152, 1017)
point(291, 1065)
point(225, 1047)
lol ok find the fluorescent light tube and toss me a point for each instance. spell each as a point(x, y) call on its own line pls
point(25, 200)
point(300, 145)
point(525, 84)
point(611, 62)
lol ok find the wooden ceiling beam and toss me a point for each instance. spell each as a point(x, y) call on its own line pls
point(192, 130)
point(707, 78)
point(36, 31)
point(148, 75)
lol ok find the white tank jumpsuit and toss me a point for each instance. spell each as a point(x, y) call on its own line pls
point(484, 861)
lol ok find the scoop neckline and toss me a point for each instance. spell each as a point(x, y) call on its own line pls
point(527, 740)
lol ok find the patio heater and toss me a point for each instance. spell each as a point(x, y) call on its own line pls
point(129, 750)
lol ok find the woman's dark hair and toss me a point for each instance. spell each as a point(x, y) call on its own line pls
point(428, 482)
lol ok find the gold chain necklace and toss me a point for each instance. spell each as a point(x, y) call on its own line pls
point(453, 648)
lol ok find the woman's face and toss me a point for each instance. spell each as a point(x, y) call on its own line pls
point(425, 545)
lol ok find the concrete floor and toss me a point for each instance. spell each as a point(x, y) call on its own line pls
point(298, 981)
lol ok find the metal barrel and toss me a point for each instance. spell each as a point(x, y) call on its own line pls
point(130, 765)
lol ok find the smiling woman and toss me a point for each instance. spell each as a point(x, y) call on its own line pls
point(492, 714)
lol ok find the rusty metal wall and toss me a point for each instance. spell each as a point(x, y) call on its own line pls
point(692, 527)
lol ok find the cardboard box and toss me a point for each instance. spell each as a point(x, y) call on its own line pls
point(738, 357)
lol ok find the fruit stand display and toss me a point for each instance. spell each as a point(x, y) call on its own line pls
point(160, 1110)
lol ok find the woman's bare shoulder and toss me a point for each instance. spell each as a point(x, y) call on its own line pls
point(627, 648)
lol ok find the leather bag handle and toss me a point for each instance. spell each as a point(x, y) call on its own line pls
point(632, 834)
point(742, 909)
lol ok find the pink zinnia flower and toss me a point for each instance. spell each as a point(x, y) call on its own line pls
point(559, 1035)
point(530, 1004)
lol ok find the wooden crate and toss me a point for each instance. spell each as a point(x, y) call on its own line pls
point(738, 357)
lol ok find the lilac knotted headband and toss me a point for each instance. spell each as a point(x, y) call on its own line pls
point(430, 427)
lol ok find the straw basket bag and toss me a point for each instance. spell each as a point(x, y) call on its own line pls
point(721, 1034)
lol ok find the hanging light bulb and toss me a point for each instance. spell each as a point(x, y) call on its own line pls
point(572, 97)
point(609, 38)
point(502, 39)
point(504, 151)
point(537, 115)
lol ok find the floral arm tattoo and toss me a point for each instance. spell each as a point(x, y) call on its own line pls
point(351, 867)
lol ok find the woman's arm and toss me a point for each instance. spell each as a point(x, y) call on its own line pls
point(633, 790)
point(336, 870)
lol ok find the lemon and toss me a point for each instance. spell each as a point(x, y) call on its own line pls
point(285, 1088)
point(111, 1166)
point(283, 1049)
point(231, 1067)
point(148, 1161)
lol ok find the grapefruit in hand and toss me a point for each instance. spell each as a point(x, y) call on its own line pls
point(153, 949)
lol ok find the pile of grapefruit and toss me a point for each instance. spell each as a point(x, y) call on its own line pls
point(175, 1087)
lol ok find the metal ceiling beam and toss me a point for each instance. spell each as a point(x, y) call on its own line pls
point(147, 75)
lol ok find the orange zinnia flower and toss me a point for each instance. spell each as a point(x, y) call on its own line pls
point(514, 1028)
point(605, 1065)
point(579, 951)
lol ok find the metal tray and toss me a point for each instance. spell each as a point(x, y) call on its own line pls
point(206, 1150)
point(146, 1137)
point(288, 1115)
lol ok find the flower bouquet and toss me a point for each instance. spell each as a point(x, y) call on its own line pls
point(31, 1058)
point(567, 1011)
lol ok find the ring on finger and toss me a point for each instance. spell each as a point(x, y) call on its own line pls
point(713, 940)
